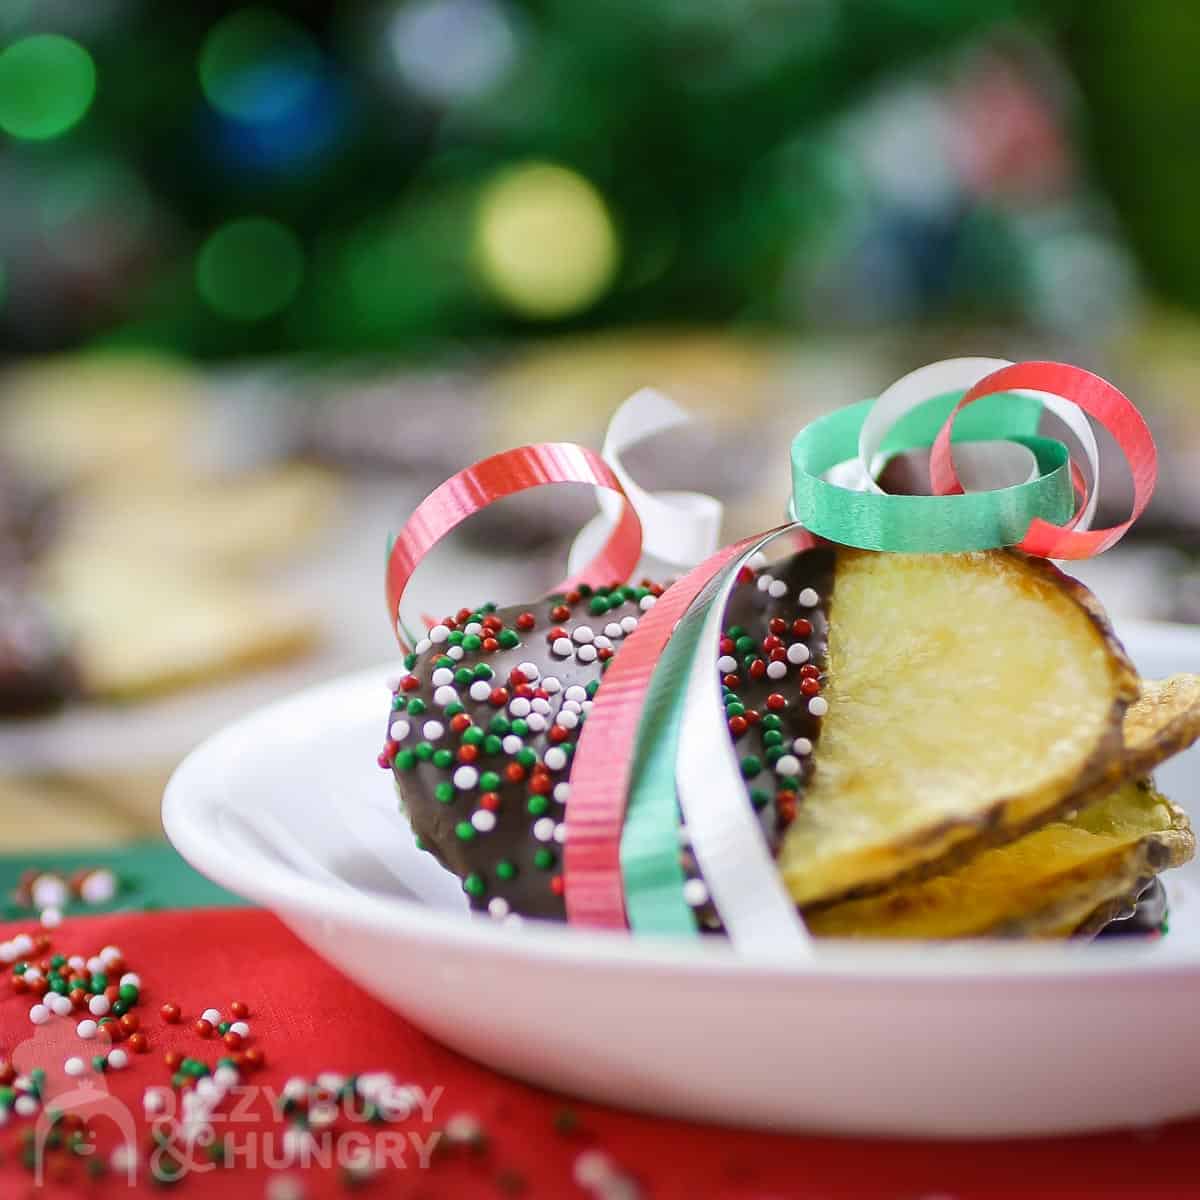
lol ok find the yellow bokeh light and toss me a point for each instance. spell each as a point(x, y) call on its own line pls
point(546, 245)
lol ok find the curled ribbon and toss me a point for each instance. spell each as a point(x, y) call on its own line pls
point(996, 482)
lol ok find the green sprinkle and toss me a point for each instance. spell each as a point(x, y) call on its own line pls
point(424, 751)
point(598, 605)
point(464, 831)
point(473, 885)
point(771, 721)
point(443, 759)
point(538, 805)
point(445, 661)
point(129, 993)
point(492, 744)
point(526, 757)
point(520, 727)
point(489, 781)
point(419, 842)
point(772, 738)
point(463, 676)
point(452, 710)
point(398, 702)
point(735, 709)
point(223, 1028)
point(483, 671)
point(544, 858)
point(406, 760)
point(472, 642)
point(443, 792)
point(759, 799)
point(410, 661)
point(774, 754)
point(744, 644)
point(472, 735)
point(751, 766)
point(499, 724)
point(100, 1063)
point(506, 869)
point(456, 637)
point(508, 639)
point(584, 589)
point(592, 688)
point(416, 706)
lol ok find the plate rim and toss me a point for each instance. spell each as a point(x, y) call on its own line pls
point(193, 792)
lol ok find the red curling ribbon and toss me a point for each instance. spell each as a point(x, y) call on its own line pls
point(602, 770)
point(505, 474)
point(1100, 400)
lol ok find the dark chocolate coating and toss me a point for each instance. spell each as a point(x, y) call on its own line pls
point(521, 816)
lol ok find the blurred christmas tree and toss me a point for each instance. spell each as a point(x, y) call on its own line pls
point(226, 179)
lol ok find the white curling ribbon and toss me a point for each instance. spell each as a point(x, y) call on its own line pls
point(981, 466)
point(724, 830)
point(679, 529)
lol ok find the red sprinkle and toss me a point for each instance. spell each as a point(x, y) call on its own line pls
point(775, 702)
point(810, 671)
point(558, 733)
point(560, 612)
point(409, 683)
point(731, 681)
point(777, 625)
point(556, 884)
point(171, 1013)
point(490, 801)
point(468, 753)
point(810, 687)
point(514, 772)
point(239, 1009)
point(203, 1028)
point(498, 698)
point(138, 1043)
point(526, 621)
point(758, 669)
point(738, 726)
point(801, 627)
point(490, 645)
point(459, 722)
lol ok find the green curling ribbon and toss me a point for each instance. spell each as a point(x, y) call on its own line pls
point(650, 868)
point(930, 524)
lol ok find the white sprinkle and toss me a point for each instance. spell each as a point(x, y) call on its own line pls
point(7, 953)
point(727, 664)
point(629, 624)
point(33, 973)
point(572, 706)
point(777, 589)
point(583, 634)
point(22, 944)
point(60, 1006)
point(562, 792)
point(484, 820)
point(25, 1106)
point(764, 581)
point(567, 719)
point(438, 634)
point(576, 693)
point(560, 833)
point(543, 829)
point(613, 630)
point(498, 907)
point(118, 1059)
point(587, 706)
point(423, 646)
point(536, 722)
point(519, 707)
point(480, 690)
point(789, 764)
point(555, 758)
point(798, 653)
point(51, 918)
point(603, 643)
point(586, 654)
point(77, 962)
point(646, 603)
point(49, 891)
point(529, 670)
point(240, 1028)
point(441, 677)
point(776, 670)
point(808, 598)
point(818, 706)
point(540, 706)
point(400, 730)
point(757, 560)
point(211, 1016)
point(802, 746)
point(86, 1029)
point(153, 1101)
point(592, 1169)
point(445, 695)
point(511, 743)
point(226, 1076)
point(99, 1006)
point(432, 730)
point(455, 652)
point(466, 777)
point(695, 893)
point(393, 684)
point(551, 685)
point(39, 1014)
point(473, 627)
point(563, 647)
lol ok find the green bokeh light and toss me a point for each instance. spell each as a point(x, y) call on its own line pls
point(250, 268)
point(240, 48)
point(47, 84)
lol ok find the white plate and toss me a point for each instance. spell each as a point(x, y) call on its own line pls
point(288, 808)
